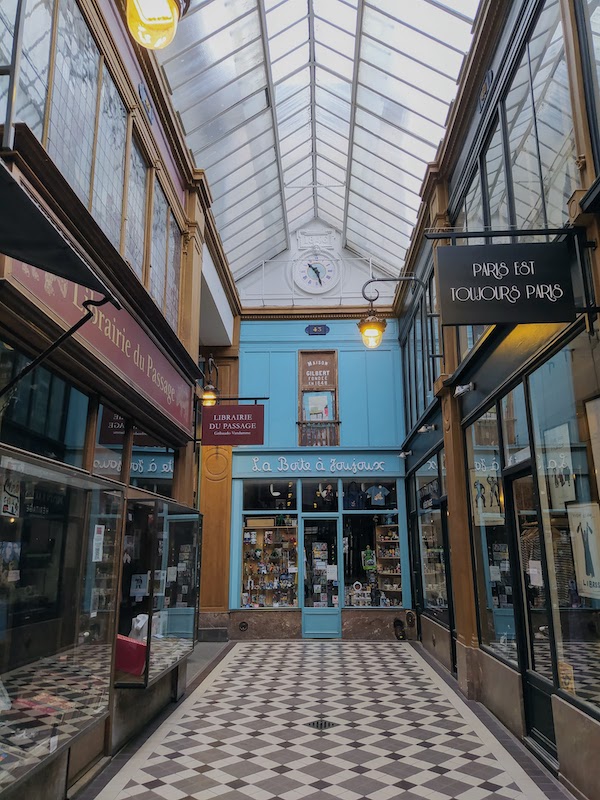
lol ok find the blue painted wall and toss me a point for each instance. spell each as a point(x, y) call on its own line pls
point(369, 381)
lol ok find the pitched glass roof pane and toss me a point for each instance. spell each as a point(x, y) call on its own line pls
point(408, 40)
point(334, 61)
point(302, 196)
point(334, 104)
point(290, 63)
point(294, 122)
point(372, 194)
point(194, 90)
point(419, 73)
point(294, 103)
point(334, 220)
point(296, 188)
point(332, 197)
point(295, 139)
point(331, 121)
point(327, 136)
point(241, 251)
point(386, 168)
point(234, 161)
point(381, 242)
point(284, 15)
point(296, 155)
point(223, 206)
point(333, 172)
point(389, 187)
point(291, 84)
point(203, 19)
point(338, 40)
point(300, 210)
point(419, 101)
point(213, 104)
point(292, 175)
point(333, 83)
point(268, 221)
point(341, 159)
point(238, 177)
point(183, 65)
point(379, 218)
point(300, 222)
point(417, 147)
point(249, 202)
point(386, 149)
point(399, 115)
point(206, 132)
point(254, 257)
point(440, 24)
point(336, 12)
point(268, 206)
point(289, 39)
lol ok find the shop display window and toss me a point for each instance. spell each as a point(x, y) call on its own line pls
point(494, 572)
point(110, 442)
point(431, 541)
point(158, 589)
point(320, 495)
point(152, 464)
point(44, 414)
point(270, 562)
point(565, 404)
point(59, 533)
point(273, 496)
point(372, 572)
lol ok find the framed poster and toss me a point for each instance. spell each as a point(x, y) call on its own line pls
point(485, 498)
point(584, 527)
point(559, 466)
point(592, 412)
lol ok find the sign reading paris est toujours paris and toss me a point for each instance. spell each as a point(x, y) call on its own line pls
point(505, 283)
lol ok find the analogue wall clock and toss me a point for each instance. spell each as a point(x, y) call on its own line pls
point(316, 274)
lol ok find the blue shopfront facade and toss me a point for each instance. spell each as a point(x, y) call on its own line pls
point(318, 511)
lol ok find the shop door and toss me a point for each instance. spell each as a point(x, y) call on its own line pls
point(321, 615)
point(534, 620)
point(449, 591)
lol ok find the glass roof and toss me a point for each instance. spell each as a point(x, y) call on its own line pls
point(326, 109)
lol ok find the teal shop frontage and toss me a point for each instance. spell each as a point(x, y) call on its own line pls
point(319, 545)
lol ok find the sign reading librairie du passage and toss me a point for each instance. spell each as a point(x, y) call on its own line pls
point(229, 425)
point(505, 283)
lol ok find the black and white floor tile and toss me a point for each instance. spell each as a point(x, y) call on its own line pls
point(324, 720)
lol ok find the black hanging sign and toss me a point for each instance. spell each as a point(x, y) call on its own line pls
point(505, 283)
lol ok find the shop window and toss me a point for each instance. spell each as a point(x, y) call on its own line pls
point(158, 590)
point(152, 464)
point(320, 495)
point(58, 591)
point(274, 496)
point(493, 570)
point(270, 562)
point(110, 443)
point(74, 93)
point(591, 32)
point(431, 541)
point(515, 433)
point(372, 571)
point(318, 414)
point(565, 405)
point(495, 178)
point(158, 245)
point(173, 273)
point(366, 495)
point(45, 414)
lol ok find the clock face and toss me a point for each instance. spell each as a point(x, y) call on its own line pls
point(316, 275)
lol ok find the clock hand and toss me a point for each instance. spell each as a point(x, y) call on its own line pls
point(317, 273)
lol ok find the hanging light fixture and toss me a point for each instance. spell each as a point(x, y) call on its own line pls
point(371, 329)
point(210, 392)
point(153, 23)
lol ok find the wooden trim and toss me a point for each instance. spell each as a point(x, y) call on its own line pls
point(51, 73)
point(99, 81)
point(126, 177)
point(89, 444)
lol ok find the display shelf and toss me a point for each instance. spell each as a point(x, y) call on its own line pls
point(269, 566)
point(387, 551)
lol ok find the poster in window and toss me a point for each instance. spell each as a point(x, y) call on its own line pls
point(10, 499)
point(317, 406)
point(592, 410)
point(484, 487)
point(559, 466)
point(584, 527)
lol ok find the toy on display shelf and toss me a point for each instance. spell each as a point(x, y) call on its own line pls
point(269, 565)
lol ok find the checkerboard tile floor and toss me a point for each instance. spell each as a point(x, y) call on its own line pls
point(394, 729)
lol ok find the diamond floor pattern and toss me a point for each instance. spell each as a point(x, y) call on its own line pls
point(398, 732)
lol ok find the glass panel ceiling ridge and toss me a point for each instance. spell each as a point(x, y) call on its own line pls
point(316, 109)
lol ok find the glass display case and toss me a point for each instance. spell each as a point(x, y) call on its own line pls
point(159, 585)
point(270, 562)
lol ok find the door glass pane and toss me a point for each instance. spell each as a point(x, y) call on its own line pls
point(321, 584)
point(494, 574)
point(534, 590)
